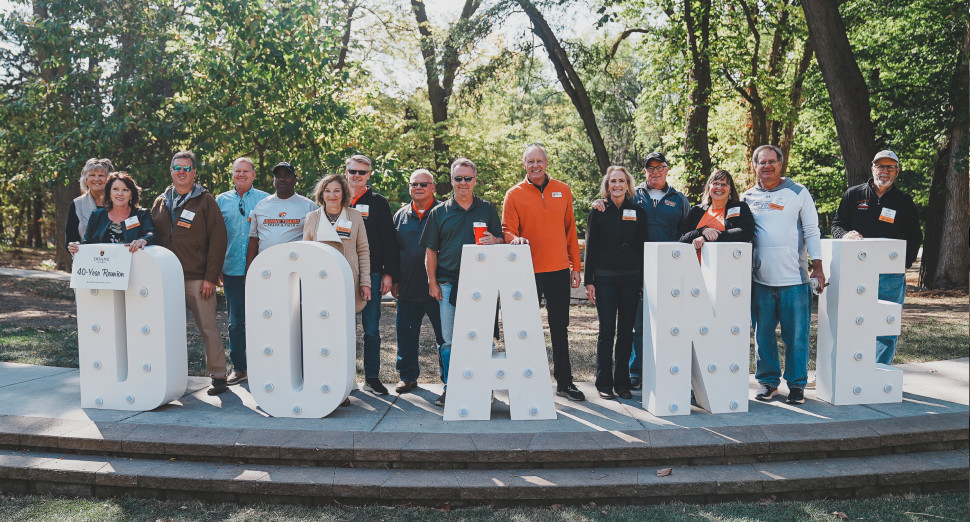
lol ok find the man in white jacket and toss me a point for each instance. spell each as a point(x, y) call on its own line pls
point(786, 234)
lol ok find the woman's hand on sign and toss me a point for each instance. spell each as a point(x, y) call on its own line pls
point(136, 245)
point(73, 247)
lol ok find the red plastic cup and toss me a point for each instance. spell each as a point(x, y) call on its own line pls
point(480, 229)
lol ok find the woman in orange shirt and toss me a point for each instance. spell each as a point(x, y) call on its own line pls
point(721, 216)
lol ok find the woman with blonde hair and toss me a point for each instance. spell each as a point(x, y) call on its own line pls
point(614, 276)
point(333, 195)
point(94, 177)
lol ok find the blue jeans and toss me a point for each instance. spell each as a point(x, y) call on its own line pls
point(892, 287)
point(616, 302)
point(409, 317)
point(792, 307)
point(636, 358)
point(447, 329)
point(370, 321)
point(235, 288)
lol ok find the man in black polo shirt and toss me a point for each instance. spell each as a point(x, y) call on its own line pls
point(383, 263)
point(877, 208)
point(450, 226)
point(411, 288)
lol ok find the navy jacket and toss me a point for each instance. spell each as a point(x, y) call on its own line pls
point(666, 217)
point(99, 223)
point(412, 276)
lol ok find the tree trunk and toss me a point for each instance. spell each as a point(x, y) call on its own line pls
point(945, 255)
point(570, 81)
point(847, 89)
point(697, 147)
point(345, 40)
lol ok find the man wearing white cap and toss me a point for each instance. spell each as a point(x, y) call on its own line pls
point(877, 208)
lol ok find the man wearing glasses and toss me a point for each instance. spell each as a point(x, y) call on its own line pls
point(188, 222)
point(538, 211)
point(236, 206)
point(411, 289)
point(450, 226)
point(786, 234)
point(666, 210)
point(383, 262)
point(877, 208)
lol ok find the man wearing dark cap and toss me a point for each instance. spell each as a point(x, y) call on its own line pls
point(280, 217)
point(877, 208)
point(666, 210)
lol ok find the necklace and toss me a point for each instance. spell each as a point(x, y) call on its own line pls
point(332, 217)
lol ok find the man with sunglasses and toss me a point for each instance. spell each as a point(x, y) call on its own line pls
point(188, 222)
point(411, 289)
point(538, 211)
point(450, 226)
point(383, 262)
point(236, 206)
point(877, 208)
point(666, 211)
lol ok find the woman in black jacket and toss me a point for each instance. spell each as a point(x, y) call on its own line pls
point(121, 221)
point(614, 277)
point(721, 216)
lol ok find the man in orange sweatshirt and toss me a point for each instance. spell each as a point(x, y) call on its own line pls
point(539, 212)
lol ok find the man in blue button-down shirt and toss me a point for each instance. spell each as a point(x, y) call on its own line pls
point(236, 206)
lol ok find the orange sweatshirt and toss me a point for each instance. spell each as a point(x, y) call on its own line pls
point(546, 219)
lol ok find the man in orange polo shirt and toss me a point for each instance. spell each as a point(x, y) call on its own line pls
point(539, 212)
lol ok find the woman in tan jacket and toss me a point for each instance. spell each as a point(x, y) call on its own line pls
point(333, 195)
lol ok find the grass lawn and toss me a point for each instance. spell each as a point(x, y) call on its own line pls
point(902, 508)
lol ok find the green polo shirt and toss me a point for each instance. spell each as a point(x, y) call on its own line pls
point(450, 226)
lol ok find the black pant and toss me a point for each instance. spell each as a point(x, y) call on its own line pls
point(555, 287)
point(616, 309)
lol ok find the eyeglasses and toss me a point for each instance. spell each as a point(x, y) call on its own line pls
point(421, 184)
point(186, 168)
point(769, 163)
point(884, 168)
point(358, 172)
point(658, 168)
point(466, 179)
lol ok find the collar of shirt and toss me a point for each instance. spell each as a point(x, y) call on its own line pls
point(420, 212)
point(540, 187)
point(354, 202)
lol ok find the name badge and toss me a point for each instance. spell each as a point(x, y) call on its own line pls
point(778, 204)
point(557, 194)
point(343, 228)
point(363, 209)
point(888, 215)
point(733, 212)
point(131, 222)
point(185, 219)
point(629, 215)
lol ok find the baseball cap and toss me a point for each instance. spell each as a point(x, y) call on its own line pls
point(654, 156)
point(284, 165)
point(886, 154)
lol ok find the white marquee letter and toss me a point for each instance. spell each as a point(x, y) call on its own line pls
point(131, 343)
point(300, 358)
point(850, 316)
point(488, 272)
point(696, 318)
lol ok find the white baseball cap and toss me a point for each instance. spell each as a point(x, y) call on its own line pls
point(886, 154)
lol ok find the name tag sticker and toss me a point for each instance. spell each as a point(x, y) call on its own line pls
point(185, 219)
point(629, 215)
point(343, 228)
point(778, 204)
point(364, 210)
point(557, 194)
point(888, 215)
point(131, 222)
point(733, 212)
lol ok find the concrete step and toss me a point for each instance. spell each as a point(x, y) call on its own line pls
point(86, 475)
point(724, 445)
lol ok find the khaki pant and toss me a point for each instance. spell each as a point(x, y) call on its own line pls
point(204, 312)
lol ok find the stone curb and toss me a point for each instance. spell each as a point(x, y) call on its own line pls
point(710, 445)
point(37, 472)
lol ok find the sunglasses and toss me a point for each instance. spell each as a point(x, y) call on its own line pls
point(421, 184)
point(466, 179)
point(186, 168)
point(358, 172)
point(241, 211)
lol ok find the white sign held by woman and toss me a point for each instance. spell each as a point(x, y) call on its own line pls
point(102, 266)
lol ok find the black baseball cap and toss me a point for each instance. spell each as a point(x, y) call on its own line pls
point(284, 165)
point(654, 156)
